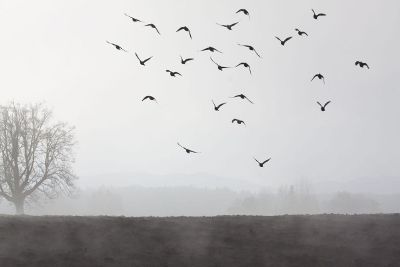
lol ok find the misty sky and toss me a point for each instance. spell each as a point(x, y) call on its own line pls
point(56, 51)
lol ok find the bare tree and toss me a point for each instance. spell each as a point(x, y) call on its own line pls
point(36, 155)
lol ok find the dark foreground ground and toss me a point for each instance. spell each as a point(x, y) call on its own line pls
point(323, 240)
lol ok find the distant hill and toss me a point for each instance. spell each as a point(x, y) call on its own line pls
point(321, 240)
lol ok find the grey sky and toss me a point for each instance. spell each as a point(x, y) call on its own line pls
point(55, 51)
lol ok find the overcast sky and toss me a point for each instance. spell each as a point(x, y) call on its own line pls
point(56, 51)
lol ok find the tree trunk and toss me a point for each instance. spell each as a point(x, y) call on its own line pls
point(19, 206)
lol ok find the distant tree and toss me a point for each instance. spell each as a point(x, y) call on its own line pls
point(36, 155)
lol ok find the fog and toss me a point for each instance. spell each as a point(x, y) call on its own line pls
point(128, 163)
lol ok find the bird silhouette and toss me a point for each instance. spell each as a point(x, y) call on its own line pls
point(362, 64)
point(149, 97)
point(173, 73)
point(244, 64)
point(217, 107)
point(153, 26)
point(261, 164)
point(142, 62)
point(242, 96)
point(221, 68)
point(211, 49)
point(117, 46)
point(133, 19)
point(284, 41)
point(315, 16)
point(323, 107)
point(251, 49)
point(184, 61)
point(187, 149)
point(228, 26)
point(319, 76)
point(186, 29)
point(244, 11)
point(301, 33)
point(238, 122)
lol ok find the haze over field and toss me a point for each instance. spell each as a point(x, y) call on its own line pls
point(55, 51)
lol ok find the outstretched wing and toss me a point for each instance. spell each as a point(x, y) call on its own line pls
point(214, 61)
point(319, 104)
point(147, 59)
point(321, 14)
point(266, 161)
point(220, 105)
point(157, 30)
point(181, 28)
point(249, 100)
point(256, 53)
point(287, 39)
point(233, 24)
point(315, 76)
point(256, 160)
point(278, 39)
point(138, 57)
point(146, 97)
point(327, 103)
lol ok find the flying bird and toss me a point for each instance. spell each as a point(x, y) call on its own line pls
point(284, 41)
point(319, 76)
point(301, 33)
point(323, 107)
point(186, 60)
point(244, 64)
point(217, 107)
point(133, 19)
point(362, 64)
point(186, 149)
point(315, 16)
point(211, 49)
point(242, 96)
point(238, 121)
point(149, 97)
point(251, 49)
point(261, 164)
point(186, 29)
point(228, 26)
point(173, 73)
point(221, 68)
point(142, 62)
point(244, 11)
point(117, 46)
point(153, 26)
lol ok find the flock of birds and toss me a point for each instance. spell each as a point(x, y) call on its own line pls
point(211, 49)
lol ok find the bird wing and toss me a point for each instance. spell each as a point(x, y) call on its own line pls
point(233, 24)
point(313, 11)
point(357, 63)
point(249, 100)
point(256, 160)
point(177, 73)
point(220, 105)
point(327, 103)
point(214, 61)
point(144, 98)
point(321, 14)
point(367, 65)
point(213, 103)
point(319, 104)
point(266, 161)
point(234, 120)
point(287, 39)
point(138, 57)
point(256, 53)
point(147, 59)
point(181, 28)
point(157, 30)
point(250, 69)
point(278, 39)
point(190, 34)
point(181, 146)
point(316, 75)
point(240, 10)
point(239, 64)
point(217, 50)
